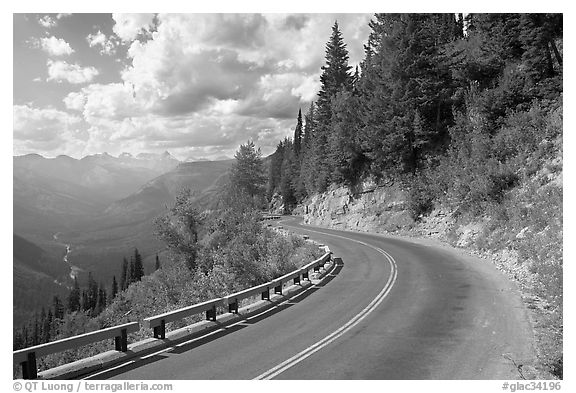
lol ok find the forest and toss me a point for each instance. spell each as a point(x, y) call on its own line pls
point(460, 111)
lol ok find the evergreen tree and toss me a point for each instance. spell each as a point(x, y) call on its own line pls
point(298, 136)
point(92, 292)
point(85, 301)
point(115, 285)
point(275, 170)
point(74, 297)
point(138, 266)
point(58, 307)
point(42, 326)
point(48, 326)
point(288, 173)
point(35, 328)
point(180, 226)
point(124, 275)
point(131, 271)
point(157, 265)
point(247, 173)
point(335, 77)
point(102, 299)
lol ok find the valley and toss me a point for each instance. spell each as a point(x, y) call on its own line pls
point(87, 215)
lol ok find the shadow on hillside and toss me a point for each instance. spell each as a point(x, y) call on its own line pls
point(183, 346)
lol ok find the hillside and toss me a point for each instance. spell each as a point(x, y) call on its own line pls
point(100, 245)
point(35, 274)
point(521, 233)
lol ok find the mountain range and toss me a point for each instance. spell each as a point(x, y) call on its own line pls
point(101, 206)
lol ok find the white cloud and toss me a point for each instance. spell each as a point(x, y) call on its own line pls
point(47, 22)
point(99, 39)
point(56, 46)
point(98, 102)
point(73, 73)
point(46, 129)
point(202, 84)
point(128, 26)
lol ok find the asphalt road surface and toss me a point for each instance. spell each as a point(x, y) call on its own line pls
point(393, 309)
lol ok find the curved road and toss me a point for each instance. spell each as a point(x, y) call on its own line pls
point(433, 314)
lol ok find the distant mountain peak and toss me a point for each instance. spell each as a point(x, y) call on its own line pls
point(65, 157)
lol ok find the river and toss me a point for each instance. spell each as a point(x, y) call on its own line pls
point(74, 270)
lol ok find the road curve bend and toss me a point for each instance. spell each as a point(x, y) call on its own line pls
point(394, 309)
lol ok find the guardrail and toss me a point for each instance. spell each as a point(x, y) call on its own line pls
point(271, 217)
point(158, 322)
point(27, 356)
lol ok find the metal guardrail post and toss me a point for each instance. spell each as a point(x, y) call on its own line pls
point(29, 370)
point(121, 341)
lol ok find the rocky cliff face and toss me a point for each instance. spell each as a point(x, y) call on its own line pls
point(375, 209)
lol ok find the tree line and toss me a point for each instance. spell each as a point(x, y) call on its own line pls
point(430, 87)
point(91, 300)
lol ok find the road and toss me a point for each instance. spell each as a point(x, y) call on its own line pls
point(428, 312)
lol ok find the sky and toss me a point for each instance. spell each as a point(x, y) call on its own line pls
point(196, 85)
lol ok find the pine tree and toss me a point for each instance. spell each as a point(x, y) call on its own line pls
point(138, 266)
point(247, 173)
point(92, 292)
point(74, 297)
point(42, 326)
point(102, 299)
point(157, 265)
point(58, 307)
point(298, 135)
point(115, 286)
point(287, 176)
point(85, 301)
point(47, 331)
point(275, 170)
point(335, 77)
point(180, 226)
point(124, 279)
point(131, 271)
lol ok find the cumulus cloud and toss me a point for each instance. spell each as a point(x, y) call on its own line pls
point(45, 129)
point(113, 101)
point(72, 73)
point(47, 22)
point(99, 39)
point(128, 26)
point(201, 84)
point(55, 46)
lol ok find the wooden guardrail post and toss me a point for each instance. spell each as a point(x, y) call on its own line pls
point(305, 275)
point(266, 294)
point(160, 331)
point(297, 280)
point(233, 307)
point(211, 313)
point(29, 369)
point(278, 289)
point(121, 341)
